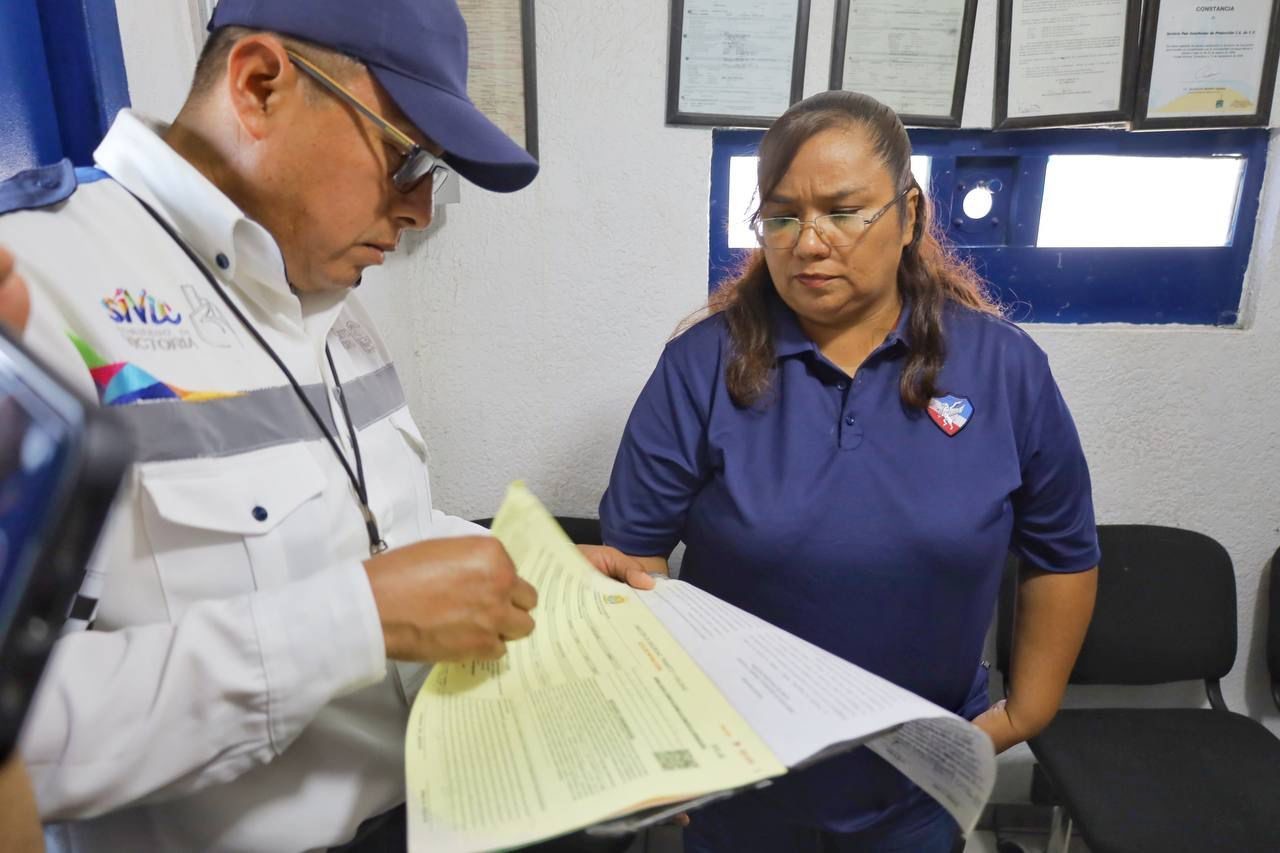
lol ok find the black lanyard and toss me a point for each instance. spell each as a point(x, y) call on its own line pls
point(376, 544)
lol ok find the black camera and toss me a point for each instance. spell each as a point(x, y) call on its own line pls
point(62, 459)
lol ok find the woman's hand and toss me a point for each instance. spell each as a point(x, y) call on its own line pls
point(998, 725)
point(633, 571)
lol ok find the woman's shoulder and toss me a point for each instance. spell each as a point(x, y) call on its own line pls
point(699, 339)
point(989, 334)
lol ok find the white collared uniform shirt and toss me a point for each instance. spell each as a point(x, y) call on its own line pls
point(233, 693)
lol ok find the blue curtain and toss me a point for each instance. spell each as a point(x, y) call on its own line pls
point(62, 80)
point(28, 120)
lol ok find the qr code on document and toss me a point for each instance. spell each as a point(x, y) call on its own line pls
point(675, 759)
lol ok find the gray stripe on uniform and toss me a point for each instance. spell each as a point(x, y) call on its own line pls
point(374, 396)
point(168, 430)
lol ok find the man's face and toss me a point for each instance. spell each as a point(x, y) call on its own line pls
point(325, 189)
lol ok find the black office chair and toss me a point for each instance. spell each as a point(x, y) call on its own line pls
point(1163, 780)
point(583, 531)
point(1273, 629)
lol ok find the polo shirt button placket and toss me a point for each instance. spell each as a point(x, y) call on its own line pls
point(850, 432)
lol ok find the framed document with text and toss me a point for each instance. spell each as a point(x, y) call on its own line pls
point(913, 57)
point(735, 62)
point(502, 76)
point(1207, 64)
point(1063, 62)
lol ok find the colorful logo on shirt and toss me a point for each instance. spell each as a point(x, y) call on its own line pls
point(144, 309)
point(950, 413)
point(152, 325)
point(121, 383)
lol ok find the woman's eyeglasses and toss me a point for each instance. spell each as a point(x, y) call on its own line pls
point(837, 230)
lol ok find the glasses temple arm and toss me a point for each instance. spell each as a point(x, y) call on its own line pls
point(334, 87)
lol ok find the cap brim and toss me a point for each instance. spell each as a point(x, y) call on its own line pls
point(474, 146)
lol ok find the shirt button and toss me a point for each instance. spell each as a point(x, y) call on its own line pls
point(850, 420)
point(260, 513)
point(222, 261)
point(842, 385)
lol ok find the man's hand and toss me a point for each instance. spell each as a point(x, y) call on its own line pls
point(450, 600)
point(19, 821)
point(15, 302)
point(633, 571)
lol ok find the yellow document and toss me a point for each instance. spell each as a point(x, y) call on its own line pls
point(598, 713)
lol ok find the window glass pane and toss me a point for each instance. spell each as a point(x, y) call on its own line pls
point(920, 168)
point(1101, 201)
point(742, 202)
point(742, 196)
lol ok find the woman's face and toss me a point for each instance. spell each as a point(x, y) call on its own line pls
point(836, 287)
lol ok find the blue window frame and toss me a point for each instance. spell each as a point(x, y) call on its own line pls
point(63, 78)
point(1195, 284)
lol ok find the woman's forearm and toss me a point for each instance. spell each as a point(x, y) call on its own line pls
point(1049, 624)
point(1050, 621)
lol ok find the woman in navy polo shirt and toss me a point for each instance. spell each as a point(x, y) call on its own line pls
point(849, 445)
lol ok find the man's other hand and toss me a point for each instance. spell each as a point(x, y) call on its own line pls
point(15, 303)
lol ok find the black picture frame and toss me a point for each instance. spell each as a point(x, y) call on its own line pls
point(529, 49)
point(676, 117)
point(525, 29)
point(839, 44)
point(1266, 87)
point(1128, 76)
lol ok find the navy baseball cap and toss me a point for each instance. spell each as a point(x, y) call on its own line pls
point(417, 51)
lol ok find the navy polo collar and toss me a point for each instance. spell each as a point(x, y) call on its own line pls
point(790, 340)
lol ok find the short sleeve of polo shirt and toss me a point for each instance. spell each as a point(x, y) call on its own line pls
point(663, 458)
point(1054, 526)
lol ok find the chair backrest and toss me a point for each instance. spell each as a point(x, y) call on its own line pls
point(1166, 609)
point(1273, 629)
point(583, 531)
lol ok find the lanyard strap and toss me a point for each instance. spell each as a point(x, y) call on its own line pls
point(376, 543)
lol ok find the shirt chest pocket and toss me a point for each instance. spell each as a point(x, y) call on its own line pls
point(394, 461)
point(216, 527)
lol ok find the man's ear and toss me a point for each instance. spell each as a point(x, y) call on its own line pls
point(260, 82)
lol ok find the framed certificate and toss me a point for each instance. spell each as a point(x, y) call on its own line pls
point(502, 77)
point(1207, 63)
point(913, 57)
point(1062, 62)
point(735, 62)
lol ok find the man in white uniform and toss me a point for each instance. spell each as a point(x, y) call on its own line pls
point(277, 544)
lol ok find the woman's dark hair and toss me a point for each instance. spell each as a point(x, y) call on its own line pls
point(929, 276)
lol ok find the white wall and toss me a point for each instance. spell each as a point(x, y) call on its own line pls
point(159, 39)
point(526, 324)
